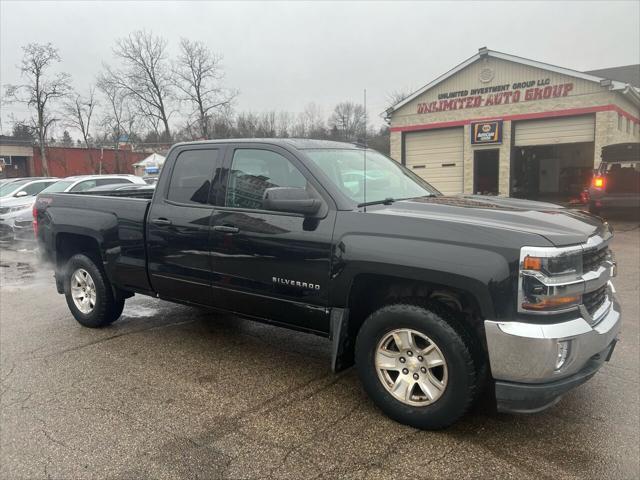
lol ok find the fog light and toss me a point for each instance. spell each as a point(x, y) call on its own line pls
point(563, 354)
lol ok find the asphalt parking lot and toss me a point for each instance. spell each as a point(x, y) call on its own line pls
point(173, 392)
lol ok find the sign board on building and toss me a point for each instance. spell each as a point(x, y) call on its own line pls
point(532, 90)
point(483, 133)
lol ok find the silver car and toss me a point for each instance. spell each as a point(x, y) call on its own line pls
point(19, 205)
point(17, 198)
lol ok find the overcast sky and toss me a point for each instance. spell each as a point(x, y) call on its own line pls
point(282, 56)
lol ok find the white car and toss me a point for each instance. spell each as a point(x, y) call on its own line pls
point(80, 183)
point(16, 198)
point(20, 201)
point(24, 187)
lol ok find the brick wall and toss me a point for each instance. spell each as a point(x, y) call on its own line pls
point(64, 162)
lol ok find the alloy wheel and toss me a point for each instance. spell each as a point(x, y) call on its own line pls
point(411, 367)
point(83, 291)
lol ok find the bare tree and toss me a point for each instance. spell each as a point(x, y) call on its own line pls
point(299, 127)
point(246, 125)
point(145, 76)
point(40, 90)
point(78, 112)
point(22, 130)
point(314, 121)
point(284, 121)
point(397, 96)
point(348, 120)
point(222, 123)
point(267, 125)
point(118, 119)
point(197, 76)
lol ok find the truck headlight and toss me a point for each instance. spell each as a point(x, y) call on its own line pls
point(567, 264)
point(547, 278)
point(17, 208)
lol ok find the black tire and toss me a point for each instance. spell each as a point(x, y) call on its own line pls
point(458, 346)
point(107, 308)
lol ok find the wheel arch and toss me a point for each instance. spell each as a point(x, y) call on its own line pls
point(67, 244)
point(369, 292)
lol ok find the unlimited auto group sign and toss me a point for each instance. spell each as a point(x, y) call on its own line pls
point(497, 95)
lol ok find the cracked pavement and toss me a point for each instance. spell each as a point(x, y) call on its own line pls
point(170, 391)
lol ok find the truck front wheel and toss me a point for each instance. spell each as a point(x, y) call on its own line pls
point(89, 295)
point(417, 364)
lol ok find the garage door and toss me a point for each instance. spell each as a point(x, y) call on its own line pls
point(555, 130)
point(436, 155)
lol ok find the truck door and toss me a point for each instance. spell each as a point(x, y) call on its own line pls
point(268, 264)
point(178, 226)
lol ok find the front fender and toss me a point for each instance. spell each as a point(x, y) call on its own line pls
point(485, 274)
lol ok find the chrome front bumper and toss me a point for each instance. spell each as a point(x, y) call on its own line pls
point(523, 355)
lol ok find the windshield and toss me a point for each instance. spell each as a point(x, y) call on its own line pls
point(385, 177)
point(57, 187)
point(10, 187)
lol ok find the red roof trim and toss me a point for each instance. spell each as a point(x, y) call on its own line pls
point(521, 116)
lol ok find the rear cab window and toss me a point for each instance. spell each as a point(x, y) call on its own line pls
point(192, 176)
point(627, 167)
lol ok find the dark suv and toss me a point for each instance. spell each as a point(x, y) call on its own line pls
point(616, 183)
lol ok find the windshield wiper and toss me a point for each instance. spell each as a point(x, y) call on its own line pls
point(386, 201)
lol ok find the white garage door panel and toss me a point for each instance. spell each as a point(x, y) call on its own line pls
point(555, 130)
point(429, 150)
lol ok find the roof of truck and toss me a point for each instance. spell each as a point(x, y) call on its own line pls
point(299, 143)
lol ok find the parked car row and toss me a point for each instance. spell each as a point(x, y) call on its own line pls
point(17, 196)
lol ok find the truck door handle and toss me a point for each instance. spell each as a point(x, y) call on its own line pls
point(226, 229)
point(161, 221)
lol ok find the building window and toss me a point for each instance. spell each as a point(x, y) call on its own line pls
point(628, 126)
point(619, 122)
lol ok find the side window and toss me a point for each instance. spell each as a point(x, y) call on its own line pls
point(82, 186)
point(253, 171)
point(192, 176)
point(111, 181)
point(35, 188)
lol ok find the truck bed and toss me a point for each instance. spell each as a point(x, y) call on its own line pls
point(133, 193)
point(116, 223)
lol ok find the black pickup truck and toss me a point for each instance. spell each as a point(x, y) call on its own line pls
point(432, 297)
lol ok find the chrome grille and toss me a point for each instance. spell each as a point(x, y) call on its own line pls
point(592, 259)
point(593, 300)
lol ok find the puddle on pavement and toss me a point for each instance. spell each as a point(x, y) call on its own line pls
point(19, 269)
point(138, 311)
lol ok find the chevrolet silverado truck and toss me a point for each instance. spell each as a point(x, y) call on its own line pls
point(434, 298)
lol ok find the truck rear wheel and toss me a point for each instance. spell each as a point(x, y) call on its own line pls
point(89, 294)
point(417, 364)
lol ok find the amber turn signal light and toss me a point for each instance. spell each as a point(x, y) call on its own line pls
point(552, 303)
point(532, 263)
